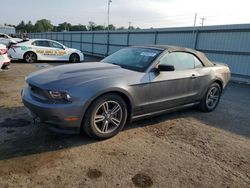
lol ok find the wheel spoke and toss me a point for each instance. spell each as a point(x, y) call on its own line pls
point(214, 91)
point(116, 109)
point(115, 121)
point(105, 107)
point(215, 97)
point(99, 118)
point(105, 126)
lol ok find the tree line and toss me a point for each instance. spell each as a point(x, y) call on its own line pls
point(45, 25)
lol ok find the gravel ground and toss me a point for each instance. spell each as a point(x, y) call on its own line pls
point(181, 149)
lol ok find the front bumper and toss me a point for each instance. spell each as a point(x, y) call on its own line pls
point(54, 115)
point(81, 57)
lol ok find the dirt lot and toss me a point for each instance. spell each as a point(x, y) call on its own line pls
point(182, 149)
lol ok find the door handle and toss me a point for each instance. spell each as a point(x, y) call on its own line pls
point(193, 76)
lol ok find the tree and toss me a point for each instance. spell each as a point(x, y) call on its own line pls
point(131, 27)
point(91, 26)
point(21, 27)
point(65, 26)
point(99, 28)
point(78, 27)
point(43, 26)
point(111, 27)
point(29, 27)
point(121, 28)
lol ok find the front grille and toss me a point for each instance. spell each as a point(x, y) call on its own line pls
point(38, 93)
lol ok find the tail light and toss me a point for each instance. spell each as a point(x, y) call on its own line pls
point(3, 51)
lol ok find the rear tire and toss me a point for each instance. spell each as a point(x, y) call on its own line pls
point(211, 99)
point(74, 58)
point(105, 117)
point(30, 57)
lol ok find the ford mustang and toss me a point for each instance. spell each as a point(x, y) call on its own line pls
point(135, 82)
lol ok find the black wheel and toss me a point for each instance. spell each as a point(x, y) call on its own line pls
point(74, 58)
point(211, 98)
point(30, 57)
point(105, 117)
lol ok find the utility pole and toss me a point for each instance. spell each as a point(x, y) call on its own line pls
point(202, 21)
point(107, 53)
point(129, 25)
point(195, 18)
point(109, 2)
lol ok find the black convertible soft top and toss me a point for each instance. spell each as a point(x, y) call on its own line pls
point(171, 48)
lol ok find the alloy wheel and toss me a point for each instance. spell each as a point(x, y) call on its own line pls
point(213, 97)
point(108, 117)
point(30, 57)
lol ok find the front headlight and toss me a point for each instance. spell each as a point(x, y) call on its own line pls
point(60, 96)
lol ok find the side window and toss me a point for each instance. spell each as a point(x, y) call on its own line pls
point(42, 43)
point(55, 45)
point(2, 36)
point(180, 60)
point(197, 63)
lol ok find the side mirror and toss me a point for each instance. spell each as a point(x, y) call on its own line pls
point(165, 67)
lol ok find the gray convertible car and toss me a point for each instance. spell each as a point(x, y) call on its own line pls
point(135, 82)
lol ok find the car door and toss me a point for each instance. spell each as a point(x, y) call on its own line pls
point(169, 89)
point(42, 49)
point(59, 51)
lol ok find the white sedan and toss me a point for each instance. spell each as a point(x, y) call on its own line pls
point(42, 49)
point(7, 40)
point(4, 59)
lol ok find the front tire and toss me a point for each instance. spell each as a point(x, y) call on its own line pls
point(74, 58)
point(30, 57)
point(105, 117)
point(211, 98)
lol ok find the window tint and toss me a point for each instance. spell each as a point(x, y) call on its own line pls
point(181, 60)
point(197, 63)
point(43, 43)
point(3, 36)
point(55, 45)
point(133, 58)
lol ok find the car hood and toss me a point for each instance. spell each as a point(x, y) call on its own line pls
point(67, 76)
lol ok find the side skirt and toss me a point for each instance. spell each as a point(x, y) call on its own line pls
point(164, 111)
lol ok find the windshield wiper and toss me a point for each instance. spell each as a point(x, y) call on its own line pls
point(118, 65)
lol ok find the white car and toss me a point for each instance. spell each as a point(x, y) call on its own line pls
point(4, 59)
point(7, 40)
point(44, 50)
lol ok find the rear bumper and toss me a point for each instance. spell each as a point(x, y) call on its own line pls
point(5, 61)
point(54, 115)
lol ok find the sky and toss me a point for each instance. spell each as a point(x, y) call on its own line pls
point(141, 13)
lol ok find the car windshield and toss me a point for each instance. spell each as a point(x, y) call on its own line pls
point(133, 58)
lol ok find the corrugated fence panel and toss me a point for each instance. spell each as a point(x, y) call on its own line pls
point(178, 39)
point(141, 38)
point(118, 38)
point(225, 41)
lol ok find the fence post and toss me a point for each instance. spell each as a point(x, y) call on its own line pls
point(71, 43)
point(92, 43)
point(107, 53)
point(156, 36)
point(128, 38)
point(63, 39)
point(81, 33)
point(196, 39)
